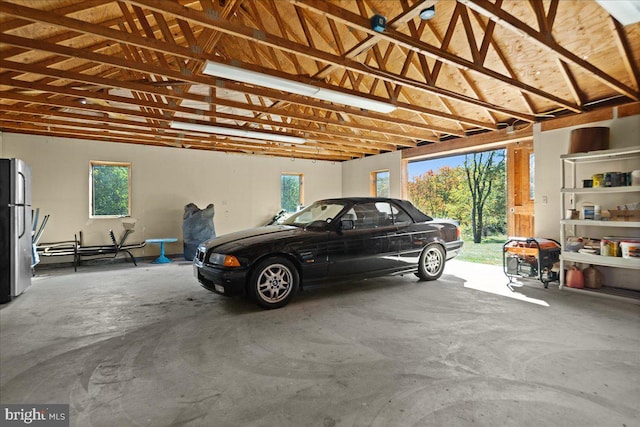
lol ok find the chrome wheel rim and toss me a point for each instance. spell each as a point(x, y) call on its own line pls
point(433, 261)
point(275, 283)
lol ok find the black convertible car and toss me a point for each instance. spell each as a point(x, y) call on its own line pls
point(347, 238)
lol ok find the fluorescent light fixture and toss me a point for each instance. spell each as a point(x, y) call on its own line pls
point(624, 11)
point(219, 130)
point(232, 72)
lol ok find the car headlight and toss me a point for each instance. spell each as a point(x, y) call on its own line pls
point(224, 260)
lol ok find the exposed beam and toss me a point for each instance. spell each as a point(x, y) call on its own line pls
point(196, 79)
point(33, 115)
point(626, 53)
point(513, 24)
point(484, 141)
point(396, 37)
point(185, 96)
point(250, 34)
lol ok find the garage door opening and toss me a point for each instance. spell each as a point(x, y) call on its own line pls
point(471, 189)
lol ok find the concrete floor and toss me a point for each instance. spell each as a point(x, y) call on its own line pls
point(127, 346)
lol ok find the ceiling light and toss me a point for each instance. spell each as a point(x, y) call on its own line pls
point(624, 11)
point(428, 13)
point(232, 72)
point(219, 130)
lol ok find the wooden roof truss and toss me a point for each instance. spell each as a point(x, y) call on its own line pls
point(123, 70)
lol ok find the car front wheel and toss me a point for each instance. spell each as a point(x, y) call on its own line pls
point(274, 282)
point(431, 262)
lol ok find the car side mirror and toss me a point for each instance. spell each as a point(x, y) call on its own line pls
point(347, 224)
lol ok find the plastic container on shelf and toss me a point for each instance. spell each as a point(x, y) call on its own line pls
point(630, 249)
point(588, 210)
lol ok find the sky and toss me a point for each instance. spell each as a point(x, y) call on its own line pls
point(416, 169)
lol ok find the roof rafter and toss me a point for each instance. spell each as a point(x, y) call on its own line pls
point(508, 21)
point(279, 43)
point(396, 37)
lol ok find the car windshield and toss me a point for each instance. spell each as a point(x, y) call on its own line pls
point(319, 211)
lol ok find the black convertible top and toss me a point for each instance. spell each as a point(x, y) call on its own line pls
point(413, 212)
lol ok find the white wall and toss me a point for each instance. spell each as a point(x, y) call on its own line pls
point(356, 174)
point(548, 146)
point(244, 189)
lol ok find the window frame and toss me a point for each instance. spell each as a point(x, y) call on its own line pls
point(373, 182)
point(94, 163)
point(301, 187)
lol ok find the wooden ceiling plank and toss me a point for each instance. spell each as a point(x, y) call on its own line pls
point(179, 142)
point(510, 22)
point(133, 29)
point(164, 117)
point(143, 127)
point(208, 38)
point(164, 27)
point(571, 81)
point(446, 105)
point(74, 7)
point(444, 43)
point(382, 61)
point(337, 37)
point(503, 58)
point(92, 29)
point(626, 53)
point(406, 16)
point(424, 65)
point(232, 104)
point(140, 104)
point(541, 18)
point(408, 60)
point(167, 6)
point(487, 40)
point(133, 54)
point(306, 30)
point(187, 32)
point(148, 31)
point(471, 40)
point(148, 68)
point(446, 40)
point(396, 37)
point(551, 14)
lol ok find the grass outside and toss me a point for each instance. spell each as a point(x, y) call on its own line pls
point(487, 252)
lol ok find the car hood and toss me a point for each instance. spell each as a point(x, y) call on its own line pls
point(240, 239)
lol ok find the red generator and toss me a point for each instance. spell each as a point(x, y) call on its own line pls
point(531, 257)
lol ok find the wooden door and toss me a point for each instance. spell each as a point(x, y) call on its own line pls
point(520, 190)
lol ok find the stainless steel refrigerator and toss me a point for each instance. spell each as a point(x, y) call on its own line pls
point(15, 228)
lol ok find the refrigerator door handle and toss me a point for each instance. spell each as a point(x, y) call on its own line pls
point(24, 208)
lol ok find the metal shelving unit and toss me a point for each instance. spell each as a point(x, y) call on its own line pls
point(570, 164)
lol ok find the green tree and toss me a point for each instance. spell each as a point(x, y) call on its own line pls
point(110, 190)
point(382, 184)
point(290, 192)
point(483, 171)
point(439, 193)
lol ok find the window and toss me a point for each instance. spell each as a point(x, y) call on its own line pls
point(532, 176)
point(380, 183)
point(371, 215)
point(291, 195)
point(110, 189)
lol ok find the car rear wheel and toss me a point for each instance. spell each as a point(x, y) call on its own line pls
point(274, 282)
point(431, 262)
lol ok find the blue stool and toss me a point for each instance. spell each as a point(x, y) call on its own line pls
point(162, 259)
